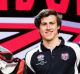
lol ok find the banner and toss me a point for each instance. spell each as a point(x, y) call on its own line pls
point(17, 31)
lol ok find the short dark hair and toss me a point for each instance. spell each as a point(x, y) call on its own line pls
point(45, 13)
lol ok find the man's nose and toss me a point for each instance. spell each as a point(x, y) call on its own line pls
point(48, 26)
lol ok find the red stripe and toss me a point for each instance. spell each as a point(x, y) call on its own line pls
point(21, 41)
point(77, 39)
point(17, 26)
point(70, 29)
point(27, 38)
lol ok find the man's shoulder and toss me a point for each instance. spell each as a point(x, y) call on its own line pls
point(71, 44)
point(29, 56)
point(33, 51)
point(74, 46)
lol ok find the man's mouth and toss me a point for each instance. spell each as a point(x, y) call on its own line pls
point(48, 31)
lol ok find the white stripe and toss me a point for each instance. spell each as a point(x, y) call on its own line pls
point(76, 69)
point(16, 20)
point(66, 37)
point(71, 24)
point(28, 58)
point(31, 20)
point(7, 34)
point(76, 48)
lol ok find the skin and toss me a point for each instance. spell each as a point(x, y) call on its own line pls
point(49, 31)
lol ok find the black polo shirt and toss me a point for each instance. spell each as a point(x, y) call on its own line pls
point(63, 59)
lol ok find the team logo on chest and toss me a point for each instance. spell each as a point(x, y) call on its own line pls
point(41, 60)
point(40, 57)
point(65, 56)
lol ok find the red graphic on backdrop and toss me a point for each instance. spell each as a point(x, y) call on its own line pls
point(61, 7)
point(24, 5)
point(27, 38)
point(22, 40)
point(3, 5)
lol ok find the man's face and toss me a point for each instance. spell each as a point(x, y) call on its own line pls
point(48, 27)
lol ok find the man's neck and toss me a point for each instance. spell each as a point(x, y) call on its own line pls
point(52, 44)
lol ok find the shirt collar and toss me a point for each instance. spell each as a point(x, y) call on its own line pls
point(43, 48)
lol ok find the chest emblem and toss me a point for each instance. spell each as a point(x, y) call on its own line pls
point(41, 60)
point(65, 56)
point(40, 57)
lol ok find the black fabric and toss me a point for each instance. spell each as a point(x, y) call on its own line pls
point(60, 61)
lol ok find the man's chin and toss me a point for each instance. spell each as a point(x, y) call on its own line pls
point(48, 39)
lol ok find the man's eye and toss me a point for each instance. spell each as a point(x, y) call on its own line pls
point(43, 23)
point(51, 23)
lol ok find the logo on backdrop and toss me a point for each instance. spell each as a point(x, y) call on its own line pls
point(24, 34)
point(29, 8)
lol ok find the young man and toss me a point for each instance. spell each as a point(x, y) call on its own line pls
point(53, 55)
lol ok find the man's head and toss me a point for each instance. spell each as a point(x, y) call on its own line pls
point(48, 23)
point(46, 13)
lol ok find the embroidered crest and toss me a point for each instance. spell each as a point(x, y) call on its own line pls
point(41, 60)
point(40, 57)
point(65, 56)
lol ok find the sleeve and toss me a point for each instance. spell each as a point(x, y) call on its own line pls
point(28, 67)
point(79, 61)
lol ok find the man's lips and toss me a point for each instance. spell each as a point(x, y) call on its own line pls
point(48, 31)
